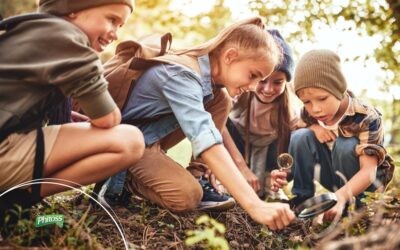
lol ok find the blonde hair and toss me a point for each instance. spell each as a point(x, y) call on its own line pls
point(247, 35)
point(252, 42)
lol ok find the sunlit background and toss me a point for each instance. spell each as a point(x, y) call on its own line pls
point(364, 33)
point(367, 76)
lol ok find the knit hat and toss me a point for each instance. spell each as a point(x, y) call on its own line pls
point(320, 69)
point(65, 7)
point(287, 64)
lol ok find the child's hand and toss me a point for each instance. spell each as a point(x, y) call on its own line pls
point(278, 179)
point(336, 210)
point(77, 117)
point(211, 178)
point(273, 214)
point(251, 178)
point(323, 135)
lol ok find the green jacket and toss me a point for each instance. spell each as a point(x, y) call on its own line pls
point(42, 62)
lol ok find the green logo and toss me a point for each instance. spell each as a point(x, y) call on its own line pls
point(43, 220)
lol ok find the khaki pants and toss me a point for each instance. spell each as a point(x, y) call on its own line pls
point(162, 180)
point(17, 155)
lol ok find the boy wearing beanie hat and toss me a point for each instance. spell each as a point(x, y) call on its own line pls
point(260, 123)
point(342, 135)
point(45, 60)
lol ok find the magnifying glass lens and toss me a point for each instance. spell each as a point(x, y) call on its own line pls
point(285, 161)
point(316, 205)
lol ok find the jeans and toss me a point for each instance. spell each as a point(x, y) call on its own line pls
point(308, 153)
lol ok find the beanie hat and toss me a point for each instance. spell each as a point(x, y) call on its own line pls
point(320, 69)
point(287, 64)
point(65, 7)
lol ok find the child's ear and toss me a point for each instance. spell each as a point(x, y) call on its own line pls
point(230, 55)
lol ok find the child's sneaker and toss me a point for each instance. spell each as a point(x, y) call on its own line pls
point(113, 200)
point(212, 200)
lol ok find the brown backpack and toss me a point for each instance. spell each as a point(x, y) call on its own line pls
point(131, 59)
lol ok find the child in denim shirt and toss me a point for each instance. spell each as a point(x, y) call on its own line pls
point(190, 99)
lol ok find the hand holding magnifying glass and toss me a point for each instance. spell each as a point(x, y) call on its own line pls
point(285, 162)
point(312, 206)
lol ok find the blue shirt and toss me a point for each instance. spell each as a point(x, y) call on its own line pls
point(177, 94)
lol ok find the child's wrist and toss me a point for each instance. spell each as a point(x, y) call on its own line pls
point(242, 165)
point(341, 198)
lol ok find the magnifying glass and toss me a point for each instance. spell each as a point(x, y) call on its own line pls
point(285, 162)
point(315, 206)
point(312, 206)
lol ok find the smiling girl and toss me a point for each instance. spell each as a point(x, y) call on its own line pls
point(189, 99)
point(260, 122)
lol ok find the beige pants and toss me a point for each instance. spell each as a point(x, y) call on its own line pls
point(17, 155)
point(162, 180)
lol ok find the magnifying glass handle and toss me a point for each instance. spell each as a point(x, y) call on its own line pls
point(286, 170)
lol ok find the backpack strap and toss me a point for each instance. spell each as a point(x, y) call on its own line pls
point(9, 23)
point(38, 167)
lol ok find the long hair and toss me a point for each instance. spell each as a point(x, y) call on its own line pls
point(280, 120)
point(248, 35)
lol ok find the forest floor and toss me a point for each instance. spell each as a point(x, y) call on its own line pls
point(147, 226)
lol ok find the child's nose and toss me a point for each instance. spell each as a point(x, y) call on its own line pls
point(268, 87)
point(316, 109)
point(114, 35)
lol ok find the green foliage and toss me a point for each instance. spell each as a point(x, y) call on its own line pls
point(75, 234)
point(21, 233)
point(211, 233)
point(12, 7)
point(187, 30)
point(299, 20)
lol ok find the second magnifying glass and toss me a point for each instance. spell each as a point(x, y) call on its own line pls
point(314, 205)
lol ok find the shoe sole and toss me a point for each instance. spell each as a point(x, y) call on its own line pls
point(219, 206)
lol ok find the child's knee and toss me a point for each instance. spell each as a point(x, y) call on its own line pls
point(131, 141)
point(345, 147)
point(188, 198)
point(301, 136)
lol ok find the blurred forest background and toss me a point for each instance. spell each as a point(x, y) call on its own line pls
point(299, 22)
point(302, 23)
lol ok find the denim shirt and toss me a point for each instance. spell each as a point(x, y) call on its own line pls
point(179, 91)
point(177, 94)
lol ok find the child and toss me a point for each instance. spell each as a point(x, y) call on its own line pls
point(44, 61)
point(173, 101)
point(260, 122)
point(342, 135)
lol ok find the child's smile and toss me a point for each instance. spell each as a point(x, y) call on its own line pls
point(272, 87)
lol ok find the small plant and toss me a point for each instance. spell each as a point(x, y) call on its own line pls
point(211, 234)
